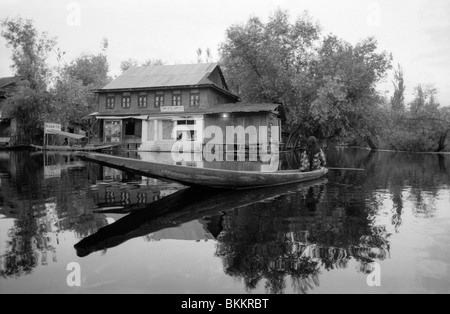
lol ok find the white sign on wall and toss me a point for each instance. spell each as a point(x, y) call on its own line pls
point(52, 127)
point(172, 109)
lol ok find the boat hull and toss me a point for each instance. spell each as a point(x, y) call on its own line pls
point(212, 178)
point(72, 149)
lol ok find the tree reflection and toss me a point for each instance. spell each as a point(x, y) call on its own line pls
point(41, 208)
point(296, 236)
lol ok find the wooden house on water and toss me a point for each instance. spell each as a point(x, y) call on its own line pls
point(150, 108)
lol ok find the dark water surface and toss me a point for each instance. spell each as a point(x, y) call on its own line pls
point(131, 234)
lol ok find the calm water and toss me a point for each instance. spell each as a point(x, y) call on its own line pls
point(132, 234)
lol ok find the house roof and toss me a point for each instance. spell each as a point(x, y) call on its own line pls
point(226, 108)
point(243, 108)
point(5, 81)
point(164, 76)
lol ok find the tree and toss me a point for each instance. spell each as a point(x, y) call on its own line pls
point(92, 70)
point(30, 51)
point(72, 92)
point(269, 62)
point(208, 57)
point(71, 101)
point(153, 62)
point(424, 127)
point(128, 63)
point(326, 85)
point(349, 108)
point(398, 99)
point(28, 106)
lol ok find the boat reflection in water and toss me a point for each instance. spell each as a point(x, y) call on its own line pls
point(181, 207)
point(262, 234)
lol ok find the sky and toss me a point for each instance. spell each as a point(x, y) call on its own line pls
point(416, 32)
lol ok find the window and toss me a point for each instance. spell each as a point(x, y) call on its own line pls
point(142, 100)
point(110, 99)
point(195, 99)
point(159, 100)
point(186, 122)
point(126, 100)
point(186, 135)
point(176, 99)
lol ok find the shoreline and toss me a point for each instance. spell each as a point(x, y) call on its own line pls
point(393, 151)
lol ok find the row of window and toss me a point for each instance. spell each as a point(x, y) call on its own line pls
point(194, 100)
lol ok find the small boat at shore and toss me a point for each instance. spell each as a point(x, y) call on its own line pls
point(86, 148)
point(212, 178)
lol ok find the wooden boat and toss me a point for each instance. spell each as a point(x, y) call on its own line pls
point(213, 178)
point(181, 207)
point(72, 148)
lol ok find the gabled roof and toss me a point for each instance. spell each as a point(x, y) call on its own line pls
point(164, 76)
point(5, 81)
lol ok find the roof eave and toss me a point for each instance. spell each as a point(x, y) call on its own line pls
point(119, 90)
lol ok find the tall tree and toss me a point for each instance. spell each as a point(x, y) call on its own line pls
point(30, 50)
point(398, 99)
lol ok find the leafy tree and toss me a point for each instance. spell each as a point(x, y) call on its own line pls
point(266, 62)
point(69, 97)
point(423, 127)
point(325, 84)
point(91, 69)
point(72, 100)
point(30, 51)
point(28, 106)
point(72, 92)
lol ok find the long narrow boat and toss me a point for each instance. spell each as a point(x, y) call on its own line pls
point(213, 178)
point(72, 149)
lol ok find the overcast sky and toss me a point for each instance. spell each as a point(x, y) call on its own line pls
point(417, 32)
